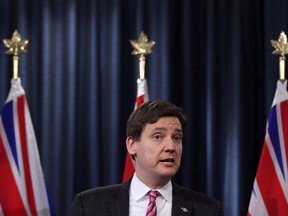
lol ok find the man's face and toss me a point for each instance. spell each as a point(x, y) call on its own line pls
point(159, 150)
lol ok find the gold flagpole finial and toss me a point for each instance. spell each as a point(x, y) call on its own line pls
point(142, 47)
point(15, 46)
point(281, 48)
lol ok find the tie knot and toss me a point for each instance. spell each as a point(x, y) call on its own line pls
point(152, 209)
point(153, 195)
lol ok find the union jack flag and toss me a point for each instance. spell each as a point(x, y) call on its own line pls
point(22, 187)
point(270, 189)
point(142, 97)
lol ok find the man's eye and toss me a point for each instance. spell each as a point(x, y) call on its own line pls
point(178, 138)
point(157, 137)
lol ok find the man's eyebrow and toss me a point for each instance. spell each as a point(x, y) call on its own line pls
point(178, 130)
point(159, 129)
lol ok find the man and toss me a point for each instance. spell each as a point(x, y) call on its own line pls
point(154, 141)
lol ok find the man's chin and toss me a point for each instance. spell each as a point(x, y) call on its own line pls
point(169, 173)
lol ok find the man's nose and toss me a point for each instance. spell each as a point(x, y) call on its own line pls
point(170, 145)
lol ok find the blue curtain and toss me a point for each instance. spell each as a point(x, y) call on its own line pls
point(212, 58)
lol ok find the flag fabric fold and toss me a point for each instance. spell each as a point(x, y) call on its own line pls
point(22, 186)
point(142, 97)
point(270, 188)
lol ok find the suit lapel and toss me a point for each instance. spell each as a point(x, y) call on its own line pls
point(119, 203)
point(180, 207)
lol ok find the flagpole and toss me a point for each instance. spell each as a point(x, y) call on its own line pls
point(281, 48)
point(15, 46)
point(142, 47)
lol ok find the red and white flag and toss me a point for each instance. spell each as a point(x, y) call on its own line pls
point(22, 187)
point(270, 189)
point(142, 97)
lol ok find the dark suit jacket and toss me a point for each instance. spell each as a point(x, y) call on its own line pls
point(114, 201)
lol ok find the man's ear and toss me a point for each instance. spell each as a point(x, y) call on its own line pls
point(130, 145)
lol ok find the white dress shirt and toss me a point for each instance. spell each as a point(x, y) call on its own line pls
point(139, 198)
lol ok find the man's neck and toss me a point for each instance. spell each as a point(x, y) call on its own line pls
point(154, 183)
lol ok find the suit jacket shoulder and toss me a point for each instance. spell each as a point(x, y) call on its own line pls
point(189, 202)
point(114, 201)
point(108, 200)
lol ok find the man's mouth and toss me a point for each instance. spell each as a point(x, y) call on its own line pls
point(168, 160)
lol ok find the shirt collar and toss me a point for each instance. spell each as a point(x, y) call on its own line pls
point(138, 190)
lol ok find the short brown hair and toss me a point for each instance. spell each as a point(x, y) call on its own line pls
point(150, 112)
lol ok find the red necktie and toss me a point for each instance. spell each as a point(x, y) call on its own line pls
point(152, 210)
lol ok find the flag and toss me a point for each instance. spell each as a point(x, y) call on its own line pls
point(22, 187)
point(142, 97)
point(270, 189)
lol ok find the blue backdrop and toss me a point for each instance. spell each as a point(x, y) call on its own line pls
point(212, 58)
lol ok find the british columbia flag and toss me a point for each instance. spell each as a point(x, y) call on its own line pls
point(22, 187)
point(142, 97)
point(270, 189)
